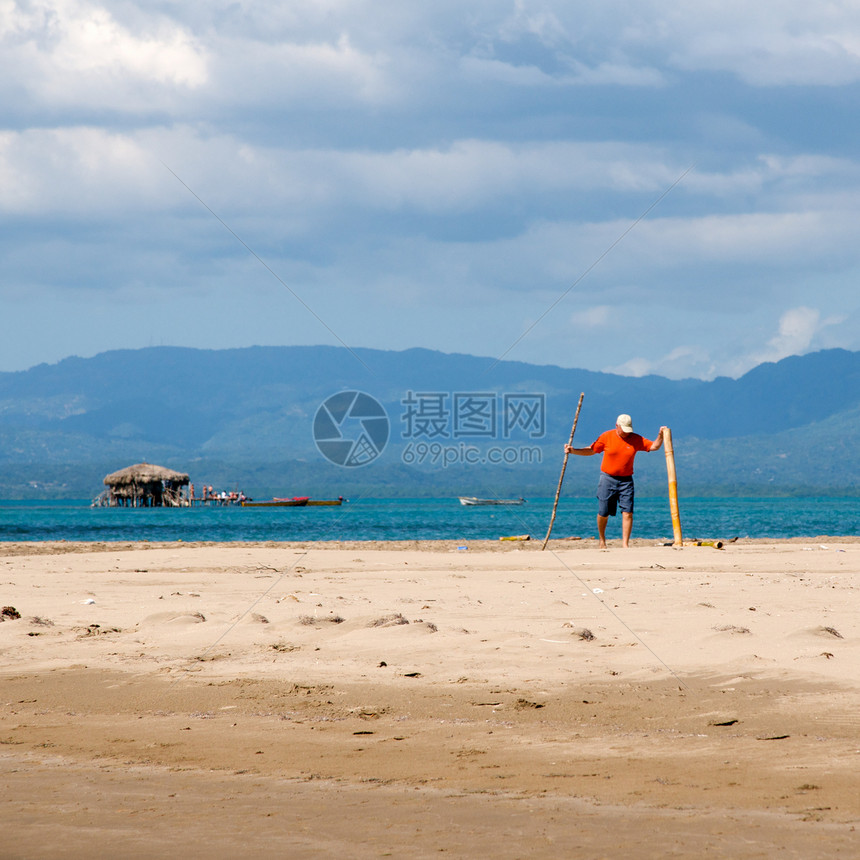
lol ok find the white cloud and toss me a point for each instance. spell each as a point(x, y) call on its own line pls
point(470, 173)
point(321, 74)
point(598, 316)
point(768, 43)
point(83, 171)
point(633, 367)
point(536, 19)
point(775, 239)
point(774, 43)
point(798, 329)
point(681, 362)
point(72, 52)
point(466, 176)
point(89, 39)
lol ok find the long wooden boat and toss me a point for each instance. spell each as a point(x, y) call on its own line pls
point(472, 500)
point(326, 501)
point(277, 503)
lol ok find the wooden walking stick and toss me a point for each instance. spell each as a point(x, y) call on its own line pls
point(561, 477)
point(673, 488)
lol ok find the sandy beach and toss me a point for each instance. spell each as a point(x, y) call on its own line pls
point(418, 699)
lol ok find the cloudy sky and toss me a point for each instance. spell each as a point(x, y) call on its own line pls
point(641, 187)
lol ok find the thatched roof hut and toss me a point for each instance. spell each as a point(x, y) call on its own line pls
point(145, 485)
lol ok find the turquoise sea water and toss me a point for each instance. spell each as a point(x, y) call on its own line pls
point(425, 519)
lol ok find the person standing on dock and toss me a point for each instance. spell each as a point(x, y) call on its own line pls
point(615, 487)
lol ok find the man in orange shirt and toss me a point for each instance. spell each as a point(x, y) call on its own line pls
point(615, 488)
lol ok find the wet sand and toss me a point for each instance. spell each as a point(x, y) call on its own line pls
point(366, 700)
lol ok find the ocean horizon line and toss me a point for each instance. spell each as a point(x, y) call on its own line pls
point(442, 518)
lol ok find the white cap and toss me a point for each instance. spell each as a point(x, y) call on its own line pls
point(625, 422)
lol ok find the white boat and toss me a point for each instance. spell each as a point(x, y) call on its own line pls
point(471, 500)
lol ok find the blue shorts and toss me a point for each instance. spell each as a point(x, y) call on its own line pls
point(614, 493)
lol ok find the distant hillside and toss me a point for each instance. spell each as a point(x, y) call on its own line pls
point(245, 416)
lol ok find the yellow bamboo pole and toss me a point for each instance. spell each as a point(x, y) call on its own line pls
point(673, 488)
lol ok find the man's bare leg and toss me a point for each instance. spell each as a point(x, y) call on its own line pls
point(626, 528)
point(601, 530)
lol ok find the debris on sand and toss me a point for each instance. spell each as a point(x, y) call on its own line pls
point(582, 632)
point(310, 620)
point(389, 620)
point(285, 647)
